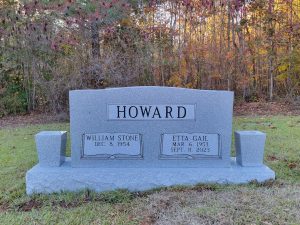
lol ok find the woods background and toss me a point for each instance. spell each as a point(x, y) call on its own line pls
point(51, 47)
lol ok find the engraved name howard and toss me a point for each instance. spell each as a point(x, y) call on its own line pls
point(151, 112)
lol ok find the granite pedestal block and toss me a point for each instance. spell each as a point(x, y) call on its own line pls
point(250, 147)
point(65, 178)
point(51, 147)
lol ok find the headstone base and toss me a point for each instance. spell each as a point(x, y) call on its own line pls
point(66, 178)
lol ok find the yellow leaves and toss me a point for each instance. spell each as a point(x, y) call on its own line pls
point(283, 74)
point(178, 80)
point(175, 80)
point(126, 22)
point(282, 67)
point(281, 77)
point(183, 67)
point(262, 51)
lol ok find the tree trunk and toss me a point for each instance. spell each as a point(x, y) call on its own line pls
point(271, 31)
point(95, 41)
point(228, 43)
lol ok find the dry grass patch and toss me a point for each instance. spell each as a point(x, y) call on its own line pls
point(239, 205)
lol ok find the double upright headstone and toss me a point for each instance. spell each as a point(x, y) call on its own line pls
point(151, 127)
point(144, 137)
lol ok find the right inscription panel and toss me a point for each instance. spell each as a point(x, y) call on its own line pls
point(189, 146)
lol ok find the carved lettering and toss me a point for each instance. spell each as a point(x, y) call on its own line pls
point(151, 112)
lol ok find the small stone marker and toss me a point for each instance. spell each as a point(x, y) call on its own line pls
point(145, 137)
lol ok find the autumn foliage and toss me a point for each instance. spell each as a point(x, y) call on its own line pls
point(49, 47)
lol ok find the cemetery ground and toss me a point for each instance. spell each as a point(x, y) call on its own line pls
point(272, 202)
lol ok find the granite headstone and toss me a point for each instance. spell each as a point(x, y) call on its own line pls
point(146, 137)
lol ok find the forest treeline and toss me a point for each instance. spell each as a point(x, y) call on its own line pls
point(50, 47)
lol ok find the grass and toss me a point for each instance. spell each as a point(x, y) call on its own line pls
point(282, 152)
point(269, 203)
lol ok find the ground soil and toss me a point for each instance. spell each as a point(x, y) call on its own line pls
point(32, 118)
point(240, 109)
point(266, 109)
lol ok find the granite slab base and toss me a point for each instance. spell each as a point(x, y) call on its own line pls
point(66, 178)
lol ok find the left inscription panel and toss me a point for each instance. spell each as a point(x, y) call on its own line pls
point(112, 146)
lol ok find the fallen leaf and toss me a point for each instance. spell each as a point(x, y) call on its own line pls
point(272, 158)
point(292, 165)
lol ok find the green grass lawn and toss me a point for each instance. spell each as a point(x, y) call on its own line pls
point(269, 203)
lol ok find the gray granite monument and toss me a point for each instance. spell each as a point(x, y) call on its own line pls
point(139, 138)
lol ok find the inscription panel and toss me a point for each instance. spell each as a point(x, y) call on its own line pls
point(150, 112)
point(112, 146)
point(189, 145)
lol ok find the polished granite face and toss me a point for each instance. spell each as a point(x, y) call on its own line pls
point(151, 127)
